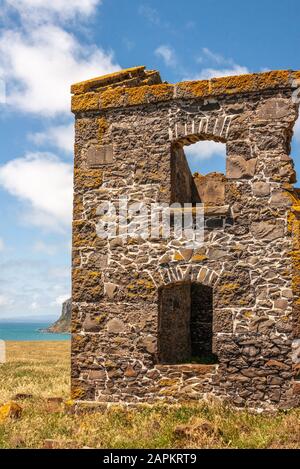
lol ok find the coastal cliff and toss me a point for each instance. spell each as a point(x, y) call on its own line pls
point(63, 324)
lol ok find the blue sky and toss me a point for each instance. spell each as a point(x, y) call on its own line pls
point(44, 47)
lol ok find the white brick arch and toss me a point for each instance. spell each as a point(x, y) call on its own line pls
point(195, 128)
point(166, 275)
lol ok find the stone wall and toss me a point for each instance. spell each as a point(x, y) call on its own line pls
point(127, 126)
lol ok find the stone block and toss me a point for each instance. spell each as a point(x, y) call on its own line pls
point(280, 199)
point(97, 374)
point(261, 189)
point(110, 289)
point(115, 326)
point(149, 342)
point(90, 324)
point(267, 230)
point(238, 167)
point(274, 108)
point(99, 156)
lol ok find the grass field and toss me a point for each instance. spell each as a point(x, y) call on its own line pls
point(42, 369)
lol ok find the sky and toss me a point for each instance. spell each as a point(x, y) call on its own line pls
point(46, 46)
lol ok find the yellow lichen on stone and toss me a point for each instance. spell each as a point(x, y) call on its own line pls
point(10, 410)
point(178, 257)
point(168, 382)
point(141, 283)
point(127, 88)
point(147, 93)
point(198, 258)
point(296, 75)
point(193, 88)
point(84, 234)
point(87, 179)
point(104, 80)
point(77, 338)
point(69, 406)
point(102, 128)
point(69, 403)
point(273, 79)
point(120, 96)
point(140, 289)
point(136, 95)
point(248, 314)
point(232, 84)
point(293, 225)
point(112, 97)
point(229, 287)
point(249, 82)
point(77, 207)
point(85, 102)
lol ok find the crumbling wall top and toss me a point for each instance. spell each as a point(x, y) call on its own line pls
point(137, 86)
point(129, 77)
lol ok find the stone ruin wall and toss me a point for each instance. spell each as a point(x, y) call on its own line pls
point(130, 129)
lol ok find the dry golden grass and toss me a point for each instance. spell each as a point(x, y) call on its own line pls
point(39, 368)
point(42, 369)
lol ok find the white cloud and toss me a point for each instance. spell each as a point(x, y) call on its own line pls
point(1, 244)
point(221, 66)
point(215, 57)
point(45, 248)
point(60, 136)
point(167, 54)
point(56, 60)
point(41, 10)
point(205, 150)
point(207, 73)
point(61, 299)
point(39, 59)
point(43, 183)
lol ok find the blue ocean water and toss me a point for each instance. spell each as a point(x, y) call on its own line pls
point(28, 331)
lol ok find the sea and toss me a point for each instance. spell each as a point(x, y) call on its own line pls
point(17, 331)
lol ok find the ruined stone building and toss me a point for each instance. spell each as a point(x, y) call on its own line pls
point(153, 320)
